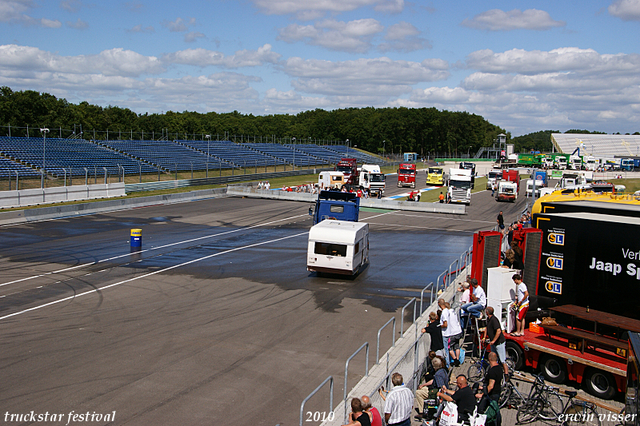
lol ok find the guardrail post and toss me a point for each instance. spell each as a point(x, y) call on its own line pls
point(330, 379)
point(346, 373)
point(422, 296)
point(402, 315)
point(393, 342)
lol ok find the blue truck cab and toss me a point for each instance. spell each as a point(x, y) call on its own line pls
point(335, 205)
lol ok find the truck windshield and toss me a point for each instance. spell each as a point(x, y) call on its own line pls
point(407, 172)
point(376, 177)
point(460, 184)
point(331, 249)
point(344, 169)
point(435, 171)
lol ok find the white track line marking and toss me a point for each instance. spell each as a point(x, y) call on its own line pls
point(64, 299)
point(84, 265)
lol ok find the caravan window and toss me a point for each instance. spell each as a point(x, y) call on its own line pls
point(331, 249)
point(357, 247)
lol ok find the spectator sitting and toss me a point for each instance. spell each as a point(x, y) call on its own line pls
point(463, 397)
point(429, 389)
point(376, 418)
point(478, 300)
point(358, 417)
point(465, 298)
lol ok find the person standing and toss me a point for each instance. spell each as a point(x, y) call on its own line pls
point(435, 332)
point(500, 220)
point(451, 331)
point(496, 338)
point(441, 198)
point(399, 402)
point(522, 304)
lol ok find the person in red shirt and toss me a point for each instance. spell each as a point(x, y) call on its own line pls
point(376, 418)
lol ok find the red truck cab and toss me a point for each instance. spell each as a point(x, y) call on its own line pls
point(407, 175)
point(349, 167)
point(512, 176)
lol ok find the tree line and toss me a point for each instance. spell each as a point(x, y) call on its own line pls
point(427, 131)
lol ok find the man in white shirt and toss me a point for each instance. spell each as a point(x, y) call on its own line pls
point(451, 331)
point(522, 304)
point(478, 300)
point(398, 404)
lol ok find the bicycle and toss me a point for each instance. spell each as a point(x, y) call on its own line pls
point(543, 402)
point(578, 412)
point(510, 396)
point(479, 368)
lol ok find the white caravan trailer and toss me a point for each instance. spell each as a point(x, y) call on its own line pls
point(338, 247)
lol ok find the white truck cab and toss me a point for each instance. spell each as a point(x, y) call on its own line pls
point(330, 180)
point(371, 179)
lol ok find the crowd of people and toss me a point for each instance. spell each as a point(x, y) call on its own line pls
point(446, 332)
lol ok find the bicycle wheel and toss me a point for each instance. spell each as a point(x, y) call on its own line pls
point(528, 411)
point(476, 372)
point(552, 406)
point(579, 413)
point(505, 396)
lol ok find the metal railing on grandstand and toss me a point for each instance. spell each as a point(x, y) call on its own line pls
point(413, 356)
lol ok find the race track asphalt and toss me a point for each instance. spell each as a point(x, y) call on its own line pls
point(215, 322)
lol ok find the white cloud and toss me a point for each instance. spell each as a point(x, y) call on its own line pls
point(627, 10)
point(353, 36)
point(78, 25)
point(499, 20)
point(403, 37)
point(48, 23)
point(179, 25)
point(72, 6)
point(379, 77)
point(242, 58)
point(138, 29)
point(313, 9)
point(192, 36)
point(582, 61)
point(15, 11)
point(113, 62)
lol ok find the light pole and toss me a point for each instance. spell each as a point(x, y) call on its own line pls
point(208, 142)
point(44, 131)
point(294, 154)
point(384, 145)
point(44, 147)
point(348, 146)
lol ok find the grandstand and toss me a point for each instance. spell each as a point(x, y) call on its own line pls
point(66, 156)
point(26, 155)
point(600, 146)
point(288, 153)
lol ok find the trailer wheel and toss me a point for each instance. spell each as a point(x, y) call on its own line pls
point(600, 383)
point(553, 368)
point(515, 354)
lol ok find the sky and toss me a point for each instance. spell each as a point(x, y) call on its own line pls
point(525, 66)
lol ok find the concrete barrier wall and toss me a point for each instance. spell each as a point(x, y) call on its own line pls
point(247, 191)
point(31, 197)
point(58, 212)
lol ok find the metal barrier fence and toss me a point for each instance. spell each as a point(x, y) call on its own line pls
point(408, 352)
